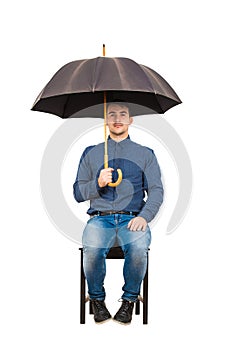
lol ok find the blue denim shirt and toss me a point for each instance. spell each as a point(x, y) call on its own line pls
point(141, 189)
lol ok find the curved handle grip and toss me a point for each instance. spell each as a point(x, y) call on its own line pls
point(114, 184)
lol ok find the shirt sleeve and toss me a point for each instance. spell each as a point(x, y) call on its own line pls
point(154, 188)
point(86, 184)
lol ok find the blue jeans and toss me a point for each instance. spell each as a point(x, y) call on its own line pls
point(100, 234)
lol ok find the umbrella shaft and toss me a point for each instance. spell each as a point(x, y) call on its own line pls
point(105, 132)
point(105, 126)
point(105, 161)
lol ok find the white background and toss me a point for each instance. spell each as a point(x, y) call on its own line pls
point(189, 44)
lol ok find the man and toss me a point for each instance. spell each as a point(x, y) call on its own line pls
point(118, 215)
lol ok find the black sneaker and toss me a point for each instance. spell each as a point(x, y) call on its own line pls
point(124, 314)
point(101, 313)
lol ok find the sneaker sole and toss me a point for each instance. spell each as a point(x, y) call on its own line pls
point(122, 323)
point(104, 321)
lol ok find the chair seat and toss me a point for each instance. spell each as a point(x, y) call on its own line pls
point(115, 253)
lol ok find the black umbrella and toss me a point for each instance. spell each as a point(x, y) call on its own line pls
point(90, 82)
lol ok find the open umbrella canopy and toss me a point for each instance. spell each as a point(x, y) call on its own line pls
point(80, 84)
point(91, 83)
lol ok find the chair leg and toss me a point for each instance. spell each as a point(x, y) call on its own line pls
point(145, 297)
point(82, 292)
point(137, 307)
point(90, 308)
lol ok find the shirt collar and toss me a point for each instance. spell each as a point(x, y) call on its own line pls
point(127, 138)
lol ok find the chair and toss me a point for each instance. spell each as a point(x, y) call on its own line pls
point(114, 253)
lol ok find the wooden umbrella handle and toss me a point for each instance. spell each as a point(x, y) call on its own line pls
point(115, 184)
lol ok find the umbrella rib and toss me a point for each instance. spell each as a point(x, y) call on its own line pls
point(68, 85)
point(150, 83)
point(93, 75)
point(149, 71)
point(65, 104)
point(141, 67)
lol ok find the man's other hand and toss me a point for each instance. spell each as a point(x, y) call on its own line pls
point(137, 224)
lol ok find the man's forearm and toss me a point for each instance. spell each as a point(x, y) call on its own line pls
point(84, 191)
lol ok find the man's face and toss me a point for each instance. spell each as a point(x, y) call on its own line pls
point(118, 119)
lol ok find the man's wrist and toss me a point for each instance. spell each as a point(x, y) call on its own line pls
point(99, 183)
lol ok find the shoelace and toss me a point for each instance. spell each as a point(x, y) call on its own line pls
point(98, 304)
point(125, 306)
